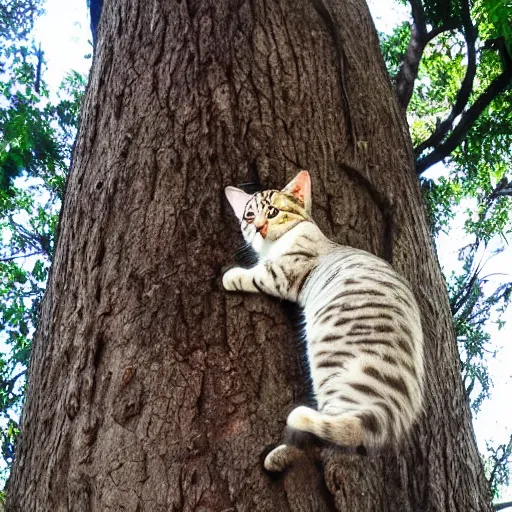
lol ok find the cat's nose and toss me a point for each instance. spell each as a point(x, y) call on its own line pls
point(262, 228)
point(259, 222)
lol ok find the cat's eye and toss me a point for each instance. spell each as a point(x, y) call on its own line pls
point(249, 216)
point(272, 212)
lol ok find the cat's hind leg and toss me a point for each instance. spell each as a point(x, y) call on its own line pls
point(281, 457)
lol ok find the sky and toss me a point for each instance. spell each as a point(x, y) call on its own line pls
point(65, 37)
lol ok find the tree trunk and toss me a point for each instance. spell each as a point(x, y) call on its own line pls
point(151, 389)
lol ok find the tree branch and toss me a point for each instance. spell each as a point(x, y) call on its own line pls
point(505, 192)
point(470, 35)
point(497, 86)
point(406, 76)
point(418, 15)
point(9, 384)
point(469, 389)
point(499, 461)
point(501, 506)
point(40, 58)
point(95, 7)
point(447, 27)
point(464, 293)
point(11, 258)
point(504, 188)
point(40, 243)
point(408, 72)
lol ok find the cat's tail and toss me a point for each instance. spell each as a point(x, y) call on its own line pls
point(342, 430)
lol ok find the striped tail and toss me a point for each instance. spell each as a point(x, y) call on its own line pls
point(341, 430)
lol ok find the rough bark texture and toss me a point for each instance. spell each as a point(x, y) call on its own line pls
point(150, 388)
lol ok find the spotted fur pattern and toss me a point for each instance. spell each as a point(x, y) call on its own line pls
point(362, 323)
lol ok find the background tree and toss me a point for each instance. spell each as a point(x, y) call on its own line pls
point(35, 144)
point(497, 466)
point(149, 386)
point(452, 71)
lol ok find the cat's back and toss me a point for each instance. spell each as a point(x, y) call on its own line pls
point(348, 284)
point(364, 338)
point(356, 275)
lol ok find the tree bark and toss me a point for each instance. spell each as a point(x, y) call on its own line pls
point(150, 388)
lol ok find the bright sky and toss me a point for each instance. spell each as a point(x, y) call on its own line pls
point(64, 33)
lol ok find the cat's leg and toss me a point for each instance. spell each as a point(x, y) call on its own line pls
point(258, 279)
point(281, 457)
point(237, 279)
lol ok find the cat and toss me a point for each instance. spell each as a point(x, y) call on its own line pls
point(363, 330)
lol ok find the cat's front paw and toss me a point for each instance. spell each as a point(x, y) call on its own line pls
point(231, 279)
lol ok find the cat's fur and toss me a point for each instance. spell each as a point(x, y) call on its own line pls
point(362, 323)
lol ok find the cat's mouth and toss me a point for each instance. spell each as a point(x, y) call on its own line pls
point(263, 230)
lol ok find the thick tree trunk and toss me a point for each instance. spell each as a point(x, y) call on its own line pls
point(150, 388)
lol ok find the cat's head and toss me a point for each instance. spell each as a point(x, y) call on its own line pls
point(268, 215)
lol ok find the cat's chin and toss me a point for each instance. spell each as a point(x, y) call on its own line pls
point(260, 245)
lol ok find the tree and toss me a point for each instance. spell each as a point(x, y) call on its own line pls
point(477, 31)
point(34, 155)
point(29, 210)
point(497, 467)
point(150, 387)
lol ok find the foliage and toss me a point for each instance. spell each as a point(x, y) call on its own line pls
point(35, 147)
point(476, 169)
point(494, 18)
point(461, 68)
point(497, 466)
point(27, 135)
point(475, 303)
point(393, 46)
point(16, 19)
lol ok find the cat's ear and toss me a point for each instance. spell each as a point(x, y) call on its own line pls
point(238, 200)
point(300, 189)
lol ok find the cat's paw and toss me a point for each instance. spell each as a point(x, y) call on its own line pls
point(276, 460)
point(281, 457)
point(231, 279)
